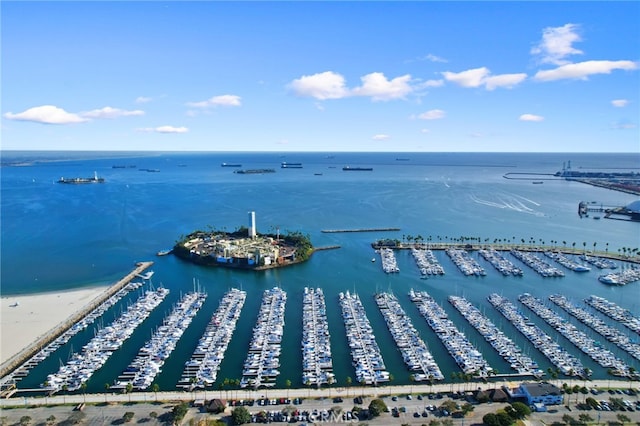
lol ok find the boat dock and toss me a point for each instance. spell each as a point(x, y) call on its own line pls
point(537, 264)
point(427, 262)
point(202, 369)
point(563, 360)
point(615, 312)
point(501, 263)
point(33, 354)
point(593, 349)
point(389, 262)
point(152, 355)
point(107, 340)
point(465, 262)
point(317, 364)
point(612, 334)
point(263, 357)
point(365, 352)
point(507, 349)
point(468, 358)
point(566, 262)
point(414, 351)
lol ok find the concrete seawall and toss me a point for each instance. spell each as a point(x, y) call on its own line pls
point(28, 352)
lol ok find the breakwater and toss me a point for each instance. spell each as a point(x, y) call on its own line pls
point(31, 350)
point(337, 231)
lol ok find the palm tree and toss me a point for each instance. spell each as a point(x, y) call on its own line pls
point(129, 389)
point(155, 388)
point(83, 386)
point(287, 383)
point(107, 386)
point(348, 381)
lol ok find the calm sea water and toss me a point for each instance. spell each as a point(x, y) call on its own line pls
point(57, 237)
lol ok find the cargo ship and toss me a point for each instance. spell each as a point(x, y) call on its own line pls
point(254, 171)
point(286, 165)
point(357, 169)
point(94, 179)
point(230, 165)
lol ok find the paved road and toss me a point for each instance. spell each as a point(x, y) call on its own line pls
point(99, 412)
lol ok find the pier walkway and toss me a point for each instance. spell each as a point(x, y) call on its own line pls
point(28, 352)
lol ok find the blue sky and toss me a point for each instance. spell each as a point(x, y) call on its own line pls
point(321, 76)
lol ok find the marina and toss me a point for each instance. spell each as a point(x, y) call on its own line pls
point(468, 358)
point(507, 349)
point(566, 363)
point(580, 339)
point(615, 312)
point(612, 334)
point(415, 353)
point(537, 264)
point(202, 369)
point(465, 262)
point(365, 353)
point(427, 262)
point(151, 357)
point(107, 340)
point(263, 356)
point(317, 364)
point(501, 263)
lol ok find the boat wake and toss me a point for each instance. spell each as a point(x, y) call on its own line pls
point(510, 201)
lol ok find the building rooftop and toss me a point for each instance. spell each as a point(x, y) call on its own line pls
point(541, 389)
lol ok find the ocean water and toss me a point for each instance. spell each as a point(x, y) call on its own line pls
point(56, 237)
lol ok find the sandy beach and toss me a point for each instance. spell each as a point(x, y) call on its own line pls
point(24, 318)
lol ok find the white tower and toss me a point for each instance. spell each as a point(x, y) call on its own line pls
point(252, 224)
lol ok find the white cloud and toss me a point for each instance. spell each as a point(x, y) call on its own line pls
point(425, 131)
point(434, 58)
point(623, 125)
point(582, 70)
point(109, 112)
point(432, 83)
point(325, 85)
point(620, 103)
point(478, 77)
point(507, 81)
point(380, 137)
point(222, 100)
point(556, 44)
point(434, 114)
point(469, 78)
point(164, 129)
point(379, 88)
point(531, 117)
point(143, 99)
point(47, 114)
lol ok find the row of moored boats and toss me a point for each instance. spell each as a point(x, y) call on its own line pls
point(107, 340)
point(579, 338)
point(365, 353)
point(464, 262)
point(389, 262)
point(507, 349)
point(537, 264)
point(566, 262)
point(615, 312)
point(566, 363)
point(610, 333)
point(202, 369)
point(42, 354)
point(624, 277)
point(152, 355)
point(317, 363)
point(427, 262)
point(414, 351)
point(501, 263)
point(261, 367)
point(468, 358)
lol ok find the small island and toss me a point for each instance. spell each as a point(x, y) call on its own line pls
point(244, 248)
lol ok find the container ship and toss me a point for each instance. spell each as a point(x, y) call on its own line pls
point(286, 165)
point(357, 169)
point(94, 179)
